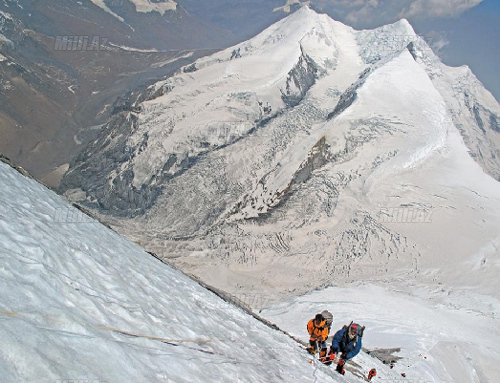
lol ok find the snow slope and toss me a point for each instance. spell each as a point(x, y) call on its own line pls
point(101, 4)
point(79, 302)
point(158, 6)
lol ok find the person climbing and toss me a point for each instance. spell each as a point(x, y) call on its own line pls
point(348, 342)
point(318, 334)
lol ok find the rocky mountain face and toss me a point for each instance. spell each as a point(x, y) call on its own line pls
point(309, 155)
point(66, 66)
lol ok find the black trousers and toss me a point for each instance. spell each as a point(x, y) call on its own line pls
point(318, 344)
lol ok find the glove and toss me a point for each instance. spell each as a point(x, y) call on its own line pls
point(331, 354)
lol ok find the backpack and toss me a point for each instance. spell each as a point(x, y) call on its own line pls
point(360, 331)
point(328, 317)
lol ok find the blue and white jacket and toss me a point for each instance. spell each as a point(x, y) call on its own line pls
point(342, 343)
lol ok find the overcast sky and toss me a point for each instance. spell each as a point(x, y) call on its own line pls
point(462, 31)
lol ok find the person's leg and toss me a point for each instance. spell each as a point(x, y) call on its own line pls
point(340, 367)
point(323, 349)
point(313, 347)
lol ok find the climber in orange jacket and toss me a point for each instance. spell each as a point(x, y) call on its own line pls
point(318, 334)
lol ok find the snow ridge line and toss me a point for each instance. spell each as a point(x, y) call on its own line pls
point(19, 169)
point(350, 95)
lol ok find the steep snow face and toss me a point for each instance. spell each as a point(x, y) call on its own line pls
point(81, 303)
point(473, 109)
point(312, 154)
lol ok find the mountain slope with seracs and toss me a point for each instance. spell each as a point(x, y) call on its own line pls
point(309, 155)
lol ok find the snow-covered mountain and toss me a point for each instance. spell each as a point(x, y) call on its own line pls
point(310, 155)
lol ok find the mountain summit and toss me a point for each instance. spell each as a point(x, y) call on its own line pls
point(309, 155)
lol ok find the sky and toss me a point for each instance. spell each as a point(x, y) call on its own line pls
point(473, 38)
point(463, 32)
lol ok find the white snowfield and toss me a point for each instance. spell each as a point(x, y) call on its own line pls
point(101, 4)
point(80, 303)
point(161, 7)
point(4, 39)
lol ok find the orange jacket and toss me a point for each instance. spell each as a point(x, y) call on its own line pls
point(317, 332)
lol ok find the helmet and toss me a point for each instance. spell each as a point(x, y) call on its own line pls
point(319, 318)
point(353, 329)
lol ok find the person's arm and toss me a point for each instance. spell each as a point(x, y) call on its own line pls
point(351, 354)
point(310, 327)
point(325, 334)
point(336, 340)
